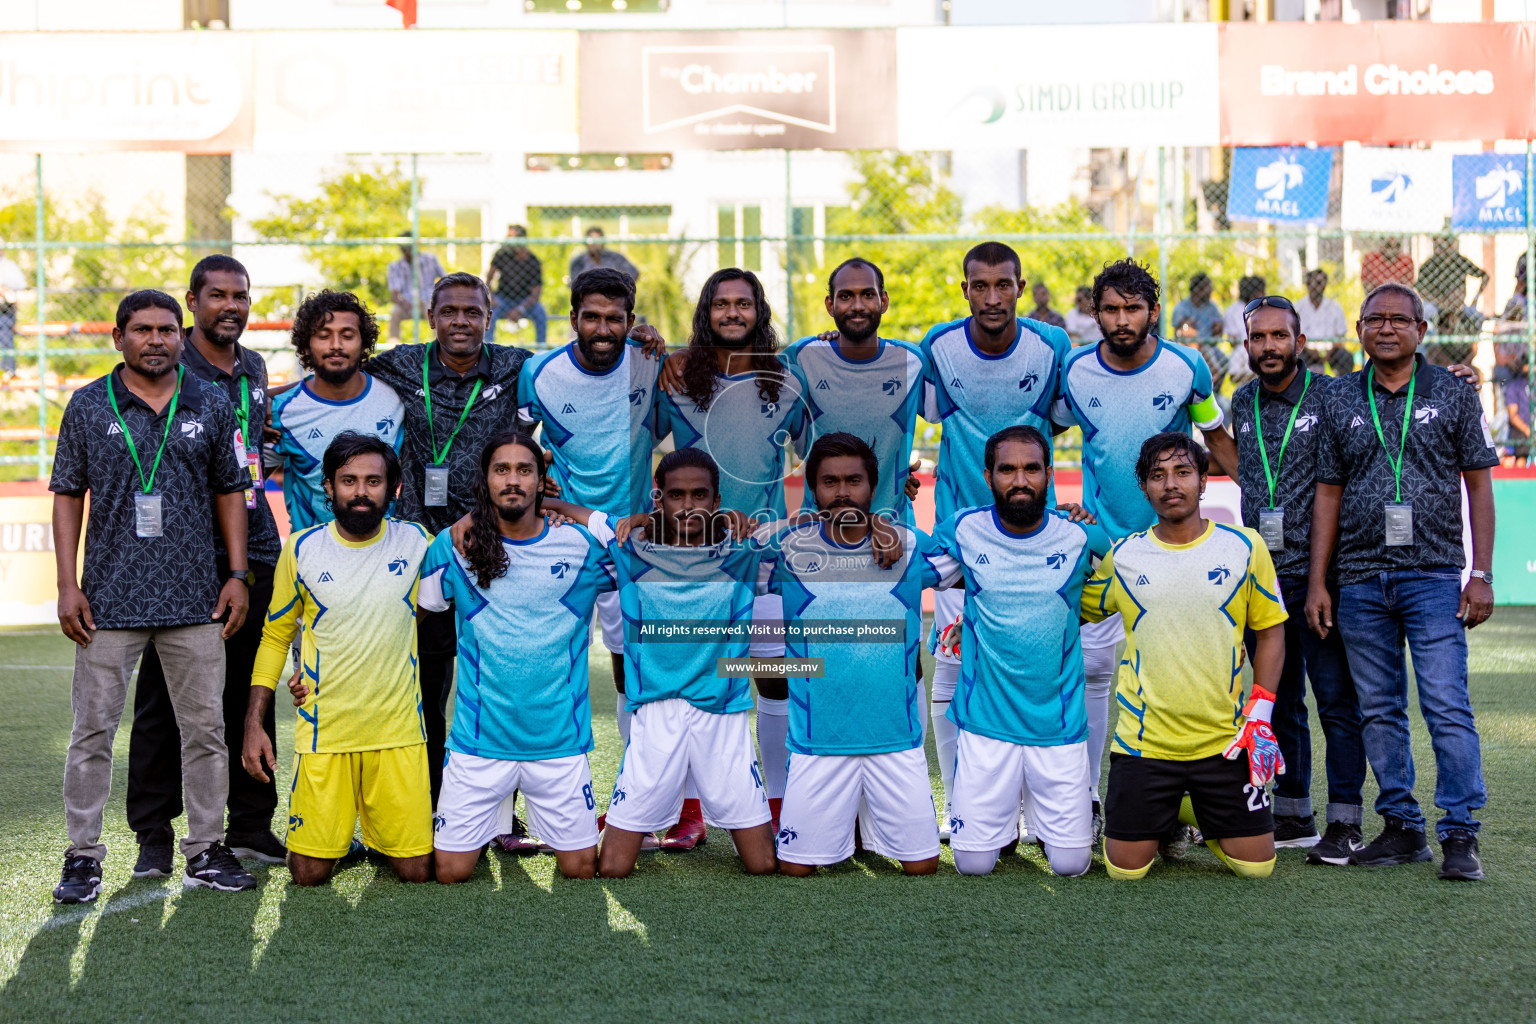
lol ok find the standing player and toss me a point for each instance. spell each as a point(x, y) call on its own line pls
point(522, 592)
point(333, 334)
point(1023, 730)
point(988, 371)
point(360, 740)
point(1189, 587)
point(690, 725)
point(856, 734)
point(1128, 387)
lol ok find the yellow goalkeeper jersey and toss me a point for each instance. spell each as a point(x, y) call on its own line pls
point(356, 606)
point(1180, 686)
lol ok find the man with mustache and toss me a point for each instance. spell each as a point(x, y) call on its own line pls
point(1121, 391)
point(219, 299)
point(1019, 711)
point(333, 335)
point(360, 739)
point(151, 445)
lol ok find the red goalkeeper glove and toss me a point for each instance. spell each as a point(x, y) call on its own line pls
point(950, 637)
point(1258, 739)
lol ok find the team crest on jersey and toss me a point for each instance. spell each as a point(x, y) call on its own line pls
point(1219, 575)
point(315, 432)
point(397, 566)
point(822, 385)
point(1142, 581)
point(891, 386)
point(192, 429)
point(559, 569)
point(1029, 381)
point(982, 559)
point(638, 395)
point(1056, 559)
point(1306, 423)
point(1163, 401)
point(385, 425)
point(1094, 403)
point(1425, 415)
point(491, 393)
point(568, 408)
point(326, 577)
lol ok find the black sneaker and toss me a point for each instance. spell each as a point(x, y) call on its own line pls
point(1294, 832)
point(154, 861)
point(217, 868)
point(80, 882)
point(262, 846)
point(1097, 824)
point(1397, 844)
point(1176, 845)
point(1338, 843)
point(1459, 861)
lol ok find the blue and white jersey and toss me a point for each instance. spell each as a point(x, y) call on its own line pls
point(665, 588)
point(600, 426)
point(974, 395)
point(877, 400)
point(744, 433)
point(869, 701)
point(521, 689)
point(307, 423)
point(1021, 663)
point(1118, 411)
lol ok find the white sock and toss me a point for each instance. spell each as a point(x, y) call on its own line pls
point(505, 812)
point(623, 718)
point(1069, 861)
point(972, 862)
point(772, 733)
point(946, 735)
point(1099, 666)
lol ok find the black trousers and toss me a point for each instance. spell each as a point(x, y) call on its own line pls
point(154, 747)
point(437, 643)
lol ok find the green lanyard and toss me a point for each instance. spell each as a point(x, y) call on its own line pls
point(1397, 465)
point(1258, 428)
point(244, 413)
point(170, 415)
point(426, 396)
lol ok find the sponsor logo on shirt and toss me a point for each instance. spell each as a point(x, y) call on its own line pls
point(891, 386)
point(955, 385)
point(315, 432)
point(982, 559)
point(770, 408)
point(1029, 381)
point(638, 395)
point(559, 569)
point(1142, 581)
point(1094, 403)
point(385, 425)
point(114, 429)
point(1163, 401)
point(568, 408)
point(397, 566)
point(491, 393)
point(325, 577)
point(1426, 414)
point(1247, 428)
point(1356, 422)
point(192, 428)
point(1219, 575)
point(1056, 559)
point(1305, 423)
point(822, 385)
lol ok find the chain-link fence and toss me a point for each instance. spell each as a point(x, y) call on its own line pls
point(1216, 227)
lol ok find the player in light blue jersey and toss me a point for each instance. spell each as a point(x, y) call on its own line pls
point(522, 592)
point(1121, 391)
point(333, 333)
point(856, 732)
point(990, 370)
point(858, 383)
point(686, 587)
point(1019, 704)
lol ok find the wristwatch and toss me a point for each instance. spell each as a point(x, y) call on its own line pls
point(243, 575)
point(1478, 574)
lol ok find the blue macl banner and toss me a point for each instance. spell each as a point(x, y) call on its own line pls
point(1284, 184)
point(1487, 191)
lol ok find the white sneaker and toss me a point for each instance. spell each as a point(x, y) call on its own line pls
point(944, 831)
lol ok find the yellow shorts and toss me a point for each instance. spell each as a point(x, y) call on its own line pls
point(389, 789)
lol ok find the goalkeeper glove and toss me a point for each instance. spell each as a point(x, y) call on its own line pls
point(949, 639)
point(1258, 739)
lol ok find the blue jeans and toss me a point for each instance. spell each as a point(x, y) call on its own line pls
point(1375, 618)
point(500, 307)
point(1324, 665)
point(8, 339)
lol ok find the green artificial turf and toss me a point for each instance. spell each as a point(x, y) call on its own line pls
point(688, 937)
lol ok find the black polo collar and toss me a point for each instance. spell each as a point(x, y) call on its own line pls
point(247, 363)
point(191, 394)
point(438, 372)
point(1421, 374)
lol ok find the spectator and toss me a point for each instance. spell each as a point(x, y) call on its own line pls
point(1386, 265)
point(1443, 282)
point(1248, 289)
point(1341, 361)
point(1197, 319)
point(12, 280)
point(1043, 311)
point(1517, 407)
point(1082, 325)
point(403, 276)
point(1514, 309)
point(597, 256)
point(516, 280)
point(1322, 318)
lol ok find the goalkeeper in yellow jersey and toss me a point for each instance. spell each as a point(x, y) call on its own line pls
point(1188, 745)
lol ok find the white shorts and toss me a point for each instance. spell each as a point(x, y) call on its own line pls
point(612, 621)
point(947, 604)
point(768, 609)
point(672, 743)
point(994, 777)
point(1103, 634)
point(889, 795)
point(558, 792)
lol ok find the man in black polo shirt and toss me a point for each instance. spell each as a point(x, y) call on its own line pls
point(1399, 439)
point(220, 302)
point(152, 446)
point(516, 278)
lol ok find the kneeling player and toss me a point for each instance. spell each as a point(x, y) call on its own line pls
point(1023, 732)
point(362, 748)
point(688, 725)
point(856, 734)
point(1187, 588)
point(522, 593)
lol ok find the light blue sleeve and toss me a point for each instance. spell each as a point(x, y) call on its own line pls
point(1098, 541)
point(1202, 387)
point(436, 591)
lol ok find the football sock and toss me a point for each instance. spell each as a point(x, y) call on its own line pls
point(1069, 861)
point(1099, 670)
point(946, 735)
point(1187, 812)
point(1242, 868)
point(971, 862)
point(624, 715)
point(1125, 874)
point(772, 734)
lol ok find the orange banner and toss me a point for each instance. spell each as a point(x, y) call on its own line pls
point(1376, 82)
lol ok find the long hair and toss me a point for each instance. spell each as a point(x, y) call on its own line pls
point(482, 541)
point(699, 371)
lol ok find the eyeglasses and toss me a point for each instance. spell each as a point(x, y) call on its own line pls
point(1376, 322)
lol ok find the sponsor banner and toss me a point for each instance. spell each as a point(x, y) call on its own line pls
point(1514, 551)
point(426, 92)
point(1059, 85)
point(73, 91)
point(1395, 190)
point(28, 577)
point(1487, 191)
point(1280, 184)
point(1376, 82)
point(738, 90)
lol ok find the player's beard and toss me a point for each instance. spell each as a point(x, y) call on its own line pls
point(600, 361)
point(1019, 513)
point(860, 336)
point(336, 378)
point(360, 517)
point(514, 506)
point(1287, 368)
point(1127, 349)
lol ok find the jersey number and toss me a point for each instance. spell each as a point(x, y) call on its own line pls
point(1258, 796)
point(586, 792)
